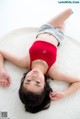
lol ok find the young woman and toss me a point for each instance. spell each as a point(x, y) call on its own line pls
point(35, 92)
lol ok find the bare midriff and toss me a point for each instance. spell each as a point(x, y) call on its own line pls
point(48, 38)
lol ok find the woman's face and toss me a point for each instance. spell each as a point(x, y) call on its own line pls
point(34, 81)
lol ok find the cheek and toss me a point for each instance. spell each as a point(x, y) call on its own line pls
point(28, 75)
point(42, 79)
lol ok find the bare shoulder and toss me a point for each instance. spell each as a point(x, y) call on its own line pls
point(53, 72)
point(26, 60)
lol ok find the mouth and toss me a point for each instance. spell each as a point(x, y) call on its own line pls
point(35, 71)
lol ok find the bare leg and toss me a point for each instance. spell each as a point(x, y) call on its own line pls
point(61, 27)
point(4, 76)
point(58, 20)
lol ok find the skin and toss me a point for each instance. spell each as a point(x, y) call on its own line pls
point(39, 67)
point(4, 76)
point(34, 81)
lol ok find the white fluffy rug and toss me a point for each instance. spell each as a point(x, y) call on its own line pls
point(17, 42)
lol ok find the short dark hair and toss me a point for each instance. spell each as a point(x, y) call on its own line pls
point(35, 102)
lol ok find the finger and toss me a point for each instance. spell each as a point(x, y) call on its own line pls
point(4, 83)
point(53, 94)
point(0, 83)
point(54, 98)
point(8, 83)
point(9, 79)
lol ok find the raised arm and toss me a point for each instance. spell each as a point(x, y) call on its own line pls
point(4, 76)
point(20, 62)
point(73, 80)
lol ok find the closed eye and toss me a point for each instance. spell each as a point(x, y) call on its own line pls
point(37, 82)
point(38, 85)
point(28, 81)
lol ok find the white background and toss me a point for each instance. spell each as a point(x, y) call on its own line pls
point(16, 14)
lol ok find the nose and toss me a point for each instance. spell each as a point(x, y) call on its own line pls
point(34, 76)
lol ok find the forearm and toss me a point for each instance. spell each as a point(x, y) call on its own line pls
point(73, 88)
point(73, 80)
point(1, 62)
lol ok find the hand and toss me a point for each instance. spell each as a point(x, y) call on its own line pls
point(4, 78)
point(56, 95)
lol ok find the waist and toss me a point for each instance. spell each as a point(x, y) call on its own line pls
point(48, 38)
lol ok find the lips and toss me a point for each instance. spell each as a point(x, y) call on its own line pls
point(35, 71)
